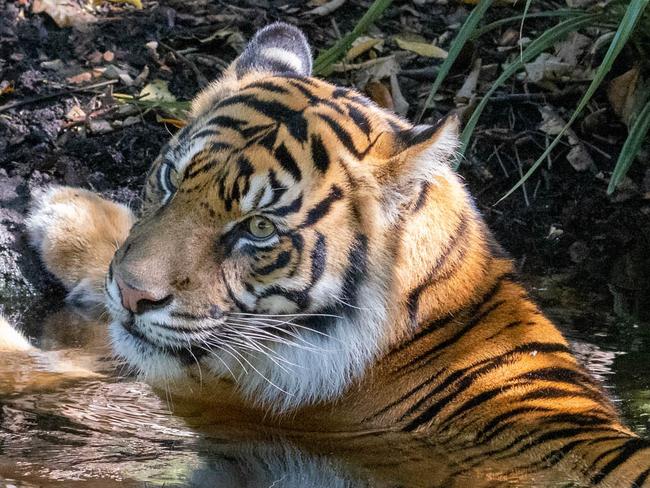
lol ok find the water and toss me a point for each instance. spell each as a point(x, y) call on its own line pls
point(110, 430)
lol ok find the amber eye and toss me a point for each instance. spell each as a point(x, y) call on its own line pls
point(261, 227)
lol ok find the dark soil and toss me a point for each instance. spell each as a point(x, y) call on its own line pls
point(601, 245)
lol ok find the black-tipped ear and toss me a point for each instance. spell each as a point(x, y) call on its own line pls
point(278, 48)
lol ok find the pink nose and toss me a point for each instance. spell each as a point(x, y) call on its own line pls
point(138, 301)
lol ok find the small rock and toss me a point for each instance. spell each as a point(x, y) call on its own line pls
point(112, 72)
point(131, 121)
point(126, 79)
point(554, 233)
point(142, 77)
point(99, 126)
point(578, 251)
point(54, 65)
point(625, 190)
point(95, 57)
point(80, 78)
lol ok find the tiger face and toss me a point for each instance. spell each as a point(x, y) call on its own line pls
point(269, 230)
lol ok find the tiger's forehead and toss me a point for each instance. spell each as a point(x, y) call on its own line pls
point(279, 132)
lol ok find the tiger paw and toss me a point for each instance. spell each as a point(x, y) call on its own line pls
point(76, 233)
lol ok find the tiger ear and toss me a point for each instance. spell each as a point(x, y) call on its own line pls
point(277, 48)
point(411, 157)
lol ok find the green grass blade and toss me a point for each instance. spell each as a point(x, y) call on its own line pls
point(630, 149)
point(324, 62)
point(516, 18)
point(540, 44)
point(632, 15)
point(457, 44)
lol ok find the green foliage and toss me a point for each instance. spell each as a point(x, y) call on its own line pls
point(463, 36)
point(633, 26)
point(323, 63)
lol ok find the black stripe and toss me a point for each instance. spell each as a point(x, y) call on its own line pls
point(287, 162)
point(293, 120)
point(291, 208)
point(483, 368)
point(433, 274)
point(268, 86)
point(355, 271)
point(360, 119)
point(342, 135)
point(205, 133)
point(322, 208)
point(319, 154)
point(641, 479)
point(281, 261)
point(631, 447)
point(430, 355)
point(227, 122)
point(277, 189)
point(318, 259)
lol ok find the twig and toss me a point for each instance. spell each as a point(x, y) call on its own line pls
point(61, 93)
point(200, 78)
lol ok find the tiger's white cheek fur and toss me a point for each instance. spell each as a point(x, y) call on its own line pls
point(152, 366)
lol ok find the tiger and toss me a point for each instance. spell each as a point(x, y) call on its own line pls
point(304, 253)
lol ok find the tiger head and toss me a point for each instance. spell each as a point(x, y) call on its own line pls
point(278, 229)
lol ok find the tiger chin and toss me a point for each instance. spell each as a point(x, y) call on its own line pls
point(319, 254)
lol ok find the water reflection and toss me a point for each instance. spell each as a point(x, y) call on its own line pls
point(68, 418)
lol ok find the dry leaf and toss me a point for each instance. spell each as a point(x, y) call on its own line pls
point(421, 47)
point(572, 48)
point(580, 158)
point(380, 94)
point(468, 89)
point(622, 94)
point(136, 3)
point(401, 105)
point(326, 8)
point(178, 123)
point(76, 114)
point(65, 13)
point(362, 45)
point(157, 91)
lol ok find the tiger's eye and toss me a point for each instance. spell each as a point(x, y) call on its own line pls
point(261, 227)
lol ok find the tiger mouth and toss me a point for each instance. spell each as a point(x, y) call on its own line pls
point(187, 355)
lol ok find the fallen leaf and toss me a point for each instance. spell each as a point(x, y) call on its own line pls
point(572, 47)
point(136, 3)
point(178, 123)
point(401, 105)
point(326, 8)
point(380, 94)
point(622, 94)
point(579, 158)
point(76, 114)
point(362, 45)
point(421, 47)
point(547, 67)
point(157, 91)
point(467, 91)
point(64, 13)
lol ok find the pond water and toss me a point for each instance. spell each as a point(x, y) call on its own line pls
point(111, 430)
